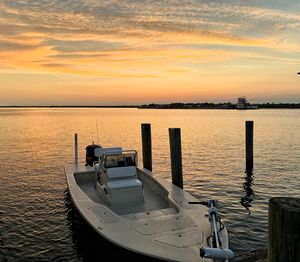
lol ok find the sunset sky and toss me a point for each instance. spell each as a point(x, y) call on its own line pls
point(93, 52)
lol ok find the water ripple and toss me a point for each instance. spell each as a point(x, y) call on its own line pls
point(38, 221)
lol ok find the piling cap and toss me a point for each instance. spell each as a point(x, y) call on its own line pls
point(287, 203)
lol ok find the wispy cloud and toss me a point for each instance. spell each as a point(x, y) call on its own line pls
point(147, 39)
point(231, 20)
point(83, 46)
point(14, 46)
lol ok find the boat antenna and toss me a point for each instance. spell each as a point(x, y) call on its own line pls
point(97, 131)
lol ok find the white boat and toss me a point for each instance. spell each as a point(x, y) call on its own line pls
point(139, 211)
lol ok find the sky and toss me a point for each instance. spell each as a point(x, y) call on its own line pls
point(93, 52)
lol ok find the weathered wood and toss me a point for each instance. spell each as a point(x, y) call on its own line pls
point(284, 229)
point(147, 146)
point(249, 145)
point(76, 148)
point(176, 156)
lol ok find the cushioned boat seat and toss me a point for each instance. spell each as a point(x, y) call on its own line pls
point(124, 183)
point(121, 172)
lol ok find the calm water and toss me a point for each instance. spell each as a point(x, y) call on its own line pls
point(38, 221)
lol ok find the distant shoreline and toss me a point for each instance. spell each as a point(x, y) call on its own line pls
point(174, 106)
point(227, 105)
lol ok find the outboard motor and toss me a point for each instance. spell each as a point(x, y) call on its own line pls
point(90, 155)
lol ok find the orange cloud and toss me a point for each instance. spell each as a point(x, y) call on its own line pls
point(136, 51)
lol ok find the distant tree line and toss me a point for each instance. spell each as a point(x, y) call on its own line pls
point(207, 105)
point(279, 105)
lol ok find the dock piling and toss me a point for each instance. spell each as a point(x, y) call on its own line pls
point(249, 145)
point(176, 156)
point(147, 146)
point(284, 229)
point(76, 148)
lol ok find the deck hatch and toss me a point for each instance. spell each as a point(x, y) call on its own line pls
point(163, 224)
point(183, 240)
point(103, 215)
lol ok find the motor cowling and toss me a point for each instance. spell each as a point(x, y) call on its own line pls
point(90, 154)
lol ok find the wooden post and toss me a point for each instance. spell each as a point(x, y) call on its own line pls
point(176, 157)
point(76, 148)
point(147, 146)
point(249, 145)
point(284, 229)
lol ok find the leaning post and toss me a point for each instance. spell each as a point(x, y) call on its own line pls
point(176, 156)
point(147, 146)
point(76, 148)
point(249, 145)
point(284, 229)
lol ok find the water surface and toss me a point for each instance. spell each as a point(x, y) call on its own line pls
point(38, 221)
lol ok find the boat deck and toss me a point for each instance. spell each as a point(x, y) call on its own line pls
point(154, 204)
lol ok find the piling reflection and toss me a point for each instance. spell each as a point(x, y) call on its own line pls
point(249, 193)
point(2, 247)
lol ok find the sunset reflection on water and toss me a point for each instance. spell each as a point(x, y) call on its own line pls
point(36, 144)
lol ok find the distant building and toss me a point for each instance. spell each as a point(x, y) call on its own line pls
point(243, 104)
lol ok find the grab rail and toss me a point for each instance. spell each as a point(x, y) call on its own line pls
point(216, 250)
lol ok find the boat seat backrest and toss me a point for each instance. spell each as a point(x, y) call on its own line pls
point(99, 152)
point(121, 172)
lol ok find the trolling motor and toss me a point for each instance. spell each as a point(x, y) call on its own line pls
point(215, 251)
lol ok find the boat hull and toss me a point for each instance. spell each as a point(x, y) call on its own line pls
point(165, 227)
